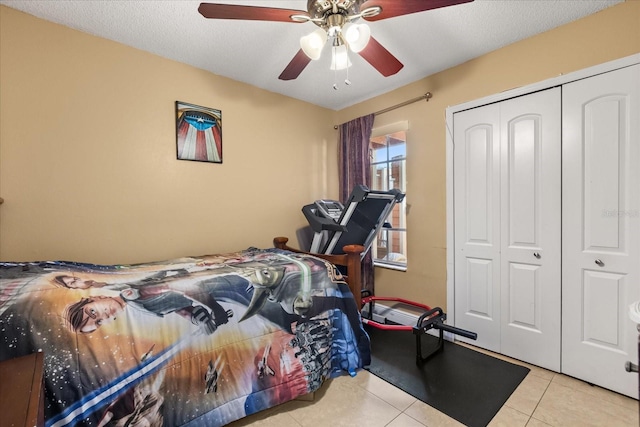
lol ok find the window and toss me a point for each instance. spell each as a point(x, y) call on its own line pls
point(388, 170)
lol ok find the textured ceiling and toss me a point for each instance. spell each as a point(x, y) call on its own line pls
point(256, 52)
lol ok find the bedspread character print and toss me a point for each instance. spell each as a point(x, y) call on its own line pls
point(192, 341)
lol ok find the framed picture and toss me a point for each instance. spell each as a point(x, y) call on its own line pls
point(198, 133)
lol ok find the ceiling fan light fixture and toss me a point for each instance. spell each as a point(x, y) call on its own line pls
point(313, 43)
point(332, 17)
point(339, 58)
point(357, 36)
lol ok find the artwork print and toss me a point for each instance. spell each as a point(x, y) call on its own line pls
point(198, 133)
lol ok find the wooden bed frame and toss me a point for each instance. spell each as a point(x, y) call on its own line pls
point(350, 259)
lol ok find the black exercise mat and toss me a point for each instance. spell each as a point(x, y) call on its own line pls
point(467, 385)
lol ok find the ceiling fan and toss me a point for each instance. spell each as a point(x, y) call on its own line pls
point(336, 20)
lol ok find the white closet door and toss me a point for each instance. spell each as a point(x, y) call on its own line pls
point(507, 226)
point(530, 228)
point(477, 223)
point(601, 227)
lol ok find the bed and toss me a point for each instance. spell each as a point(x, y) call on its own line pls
point(195, 341)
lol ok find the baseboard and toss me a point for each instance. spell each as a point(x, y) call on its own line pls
point(383, 313)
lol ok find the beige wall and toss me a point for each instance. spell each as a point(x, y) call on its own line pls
point(87, 147)
point(611, 34)
point(88, 167)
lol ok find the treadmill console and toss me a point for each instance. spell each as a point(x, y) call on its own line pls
point(330, 208)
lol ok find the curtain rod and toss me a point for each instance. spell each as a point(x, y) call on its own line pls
point(426, 96)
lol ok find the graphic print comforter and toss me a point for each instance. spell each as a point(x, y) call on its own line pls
point(193, 341)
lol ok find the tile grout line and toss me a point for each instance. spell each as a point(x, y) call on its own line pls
point(418, 421)
point(541, 397)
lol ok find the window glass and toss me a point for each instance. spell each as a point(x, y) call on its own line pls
point(388, 171)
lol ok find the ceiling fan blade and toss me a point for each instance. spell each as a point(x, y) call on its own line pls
point(392, 8)
point(232, 11)
point(381, 59)
point(295, 67)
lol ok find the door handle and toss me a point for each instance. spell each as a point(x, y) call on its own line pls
point(630, 367)
point(600, 263)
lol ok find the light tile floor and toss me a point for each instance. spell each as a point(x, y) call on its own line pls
point(543, 399)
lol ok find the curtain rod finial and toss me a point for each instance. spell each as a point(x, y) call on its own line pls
point(428, 96)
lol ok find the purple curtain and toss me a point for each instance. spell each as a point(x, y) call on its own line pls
point(355, 168)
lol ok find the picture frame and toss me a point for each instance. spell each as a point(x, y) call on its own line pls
point(198, 133)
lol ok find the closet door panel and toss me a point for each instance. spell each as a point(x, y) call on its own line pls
point(603, 149)
point(524, 296)
point(530, 227)
point(477, 224)
point(601, 227)
point(601, 297)
point(480, 273)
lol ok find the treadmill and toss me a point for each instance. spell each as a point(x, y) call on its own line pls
point(356, 223)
